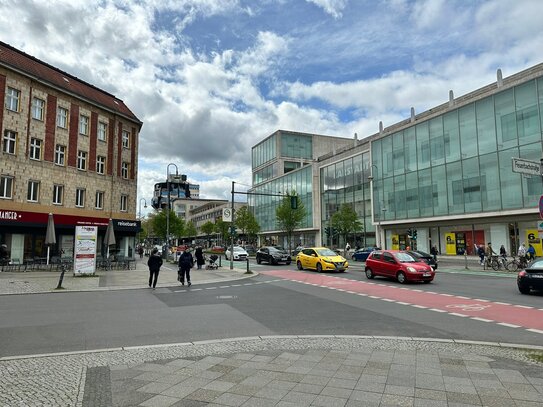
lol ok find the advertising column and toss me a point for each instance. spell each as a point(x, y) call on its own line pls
point(85, 250)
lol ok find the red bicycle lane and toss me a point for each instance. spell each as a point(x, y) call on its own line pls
point(487, 311)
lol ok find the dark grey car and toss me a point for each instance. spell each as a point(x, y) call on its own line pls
point(273, 255)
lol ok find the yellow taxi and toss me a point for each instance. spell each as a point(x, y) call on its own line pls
point(320, 259)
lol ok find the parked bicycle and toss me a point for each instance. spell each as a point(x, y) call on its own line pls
point(495, 262)
point(517, 263)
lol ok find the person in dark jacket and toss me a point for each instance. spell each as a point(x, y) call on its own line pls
point(200, 260)
point(185, 263)
point(154, 263)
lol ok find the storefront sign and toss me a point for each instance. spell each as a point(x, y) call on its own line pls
point(85, 250)
point(532, 237)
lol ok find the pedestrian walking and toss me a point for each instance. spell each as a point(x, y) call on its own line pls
point(481, 253)
point(433, 252)
point(521, 250)
point(530, 253)
point(185, 263)
point(154, 263)
point(140, 251)
point(347, 248)
point(200, 260)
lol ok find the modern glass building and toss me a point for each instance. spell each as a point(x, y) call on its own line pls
point(282, 163)
point(446, 174)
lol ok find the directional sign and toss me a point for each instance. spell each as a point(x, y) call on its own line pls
point(526, 166)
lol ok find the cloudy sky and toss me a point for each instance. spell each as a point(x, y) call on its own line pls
point(211, 78)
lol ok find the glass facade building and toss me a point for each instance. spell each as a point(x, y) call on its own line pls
point(445, 173)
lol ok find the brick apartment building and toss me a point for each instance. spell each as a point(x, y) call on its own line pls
point(67, 148)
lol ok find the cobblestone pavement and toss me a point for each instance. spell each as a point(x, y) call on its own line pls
point(279, 371)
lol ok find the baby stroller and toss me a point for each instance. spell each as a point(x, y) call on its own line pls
point(211, 265)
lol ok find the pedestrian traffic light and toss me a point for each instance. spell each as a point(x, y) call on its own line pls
point(294, 202)
point(414, 235)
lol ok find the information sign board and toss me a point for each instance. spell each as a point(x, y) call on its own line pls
point(526, 166)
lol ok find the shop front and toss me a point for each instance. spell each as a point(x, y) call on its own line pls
point(24, 234)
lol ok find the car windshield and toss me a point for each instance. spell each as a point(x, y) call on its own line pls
point(538, 264)
point(238, 249)
point(405, 258)
point(276, 249)
point(420, 254)
point(326, 252)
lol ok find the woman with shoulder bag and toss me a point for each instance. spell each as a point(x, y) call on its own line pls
point(186, 261)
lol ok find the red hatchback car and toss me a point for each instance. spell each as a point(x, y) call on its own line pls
point(398, 265)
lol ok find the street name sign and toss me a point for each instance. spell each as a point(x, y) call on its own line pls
point(526, 166)
point(227, 215)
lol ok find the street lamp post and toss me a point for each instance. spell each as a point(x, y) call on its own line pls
point(169, 206)
point(384, 212)
point(139, 233)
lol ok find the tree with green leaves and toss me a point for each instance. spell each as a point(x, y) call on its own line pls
point(159, 224)
point(246, 222)
point(189, 230)
point(208, 228)
point(223, 229)
point(290, 214)
point(346, 222)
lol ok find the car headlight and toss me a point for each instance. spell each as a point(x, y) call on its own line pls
point(328, 261)
point(411, 269)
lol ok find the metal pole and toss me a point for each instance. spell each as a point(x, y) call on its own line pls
point(231, 230)
point(169, 206)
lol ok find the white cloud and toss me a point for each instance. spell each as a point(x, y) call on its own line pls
point(332, 7)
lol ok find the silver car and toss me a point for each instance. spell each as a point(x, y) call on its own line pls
point(239, 253)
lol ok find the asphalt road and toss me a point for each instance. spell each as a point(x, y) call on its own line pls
point(277, 302)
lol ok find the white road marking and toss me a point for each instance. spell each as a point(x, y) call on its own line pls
point(509, 325)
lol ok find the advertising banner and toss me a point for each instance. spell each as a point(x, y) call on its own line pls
point(85, 250)
point(395, 242)
point(532, 238)
point(450, 243)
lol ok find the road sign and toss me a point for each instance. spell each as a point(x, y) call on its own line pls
point(526, 166)
point(227, 215)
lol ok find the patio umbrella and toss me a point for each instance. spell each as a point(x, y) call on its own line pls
point(110, 236)
point(50, 238)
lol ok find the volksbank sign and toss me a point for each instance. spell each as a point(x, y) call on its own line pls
point(526, 166)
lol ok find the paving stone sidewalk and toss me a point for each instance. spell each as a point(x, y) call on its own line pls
point(279, 371)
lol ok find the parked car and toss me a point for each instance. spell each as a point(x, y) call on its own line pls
point(294, 252)
point(250, 249)
point(425, 257)
point(239, 253)
point(398, 265)
point(321, 259)
point(273, 255)
point(531, 278)
point(217, 249)
point(362, 254)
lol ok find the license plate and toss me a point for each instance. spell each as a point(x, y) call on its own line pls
point(283, 258)
point(427, 274)
point(536, 275)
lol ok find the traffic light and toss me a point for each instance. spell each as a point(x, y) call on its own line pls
point(294, 202)
point(414, 234)
point(409, 233)
point(327, 231)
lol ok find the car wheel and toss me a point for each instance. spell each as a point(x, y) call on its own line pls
point(353, 258)
point(273, 261)
point(523, 289)
point(401, 277)
point(287, 263)
point(258, 261)
point(299, 265)
point(369, 274)
point(319, 268)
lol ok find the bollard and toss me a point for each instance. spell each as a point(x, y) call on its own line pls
point(466, 260)
point(248, 271)
point(63, 269)
point(220, 257)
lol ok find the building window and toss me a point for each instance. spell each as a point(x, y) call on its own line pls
point(99, 200)
point(102, 131)
point(83, 125)
point(82, 160)
point(6, 187)
point(33, 191)
point(124, 203)
point(12, 102)
point(80, 197)
point(124, 170)
point(100, 164)
point(58, 194)
point(62, 117)
point(126, 139)
point(35, 149)
point(38, 106)
point(9, 142)
point(60, 154)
